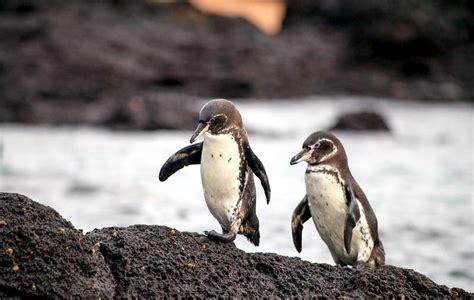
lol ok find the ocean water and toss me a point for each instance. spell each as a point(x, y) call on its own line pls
point(418, 179)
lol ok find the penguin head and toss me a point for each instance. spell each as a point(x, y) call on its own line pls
point(321, 147)
point(215, 117)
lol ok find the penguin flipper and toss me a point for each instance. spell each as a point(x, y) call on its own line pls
point(300, 215)
point(259, 170)
point(353, 215)
point(189, 155)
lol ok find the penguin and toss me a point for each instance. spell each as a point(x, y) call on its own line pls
point(336, 203)
point(228, 165)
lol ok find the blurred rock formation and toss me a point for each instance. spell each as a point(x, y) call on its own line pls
point(84, 62)
point(361, 121)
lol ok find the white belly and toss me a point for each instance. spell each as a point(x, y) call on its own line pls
point(327, 202)
point(220, 163)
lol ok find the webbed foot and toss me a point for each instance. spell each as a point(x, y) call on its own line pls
point(221, 237)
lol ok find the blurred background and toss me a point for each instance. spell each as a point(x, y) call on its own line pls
point(96, 95)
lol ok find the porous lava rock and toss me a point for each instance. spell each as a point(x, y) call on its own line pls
point(43, 255)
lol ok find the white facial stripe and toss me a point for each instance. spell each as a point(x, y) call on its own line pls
point(333, 152)
point(215, 116)
point(325, 140)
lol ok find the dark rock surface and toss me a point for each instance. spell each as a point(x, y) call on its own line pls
point(84, 62)
point(361, 121)
point(44, 255)
point(53, 259)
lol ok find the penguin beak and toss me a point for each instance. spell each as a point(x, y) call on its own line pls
point(303, 155)
point(200, 130)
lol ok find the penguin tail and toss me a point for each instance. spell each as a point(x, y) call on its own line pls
point(377, 258)
point(253, 237)
point(249, 228)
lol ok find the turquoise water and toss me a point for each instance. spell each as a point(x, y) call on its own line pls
point(419, 179)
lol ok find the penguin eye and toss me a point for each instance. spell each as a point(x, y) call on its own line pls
point(317, 145)
point(213, 121)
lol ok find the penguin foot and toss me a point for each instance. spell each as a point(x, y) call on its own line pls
point(221, 237)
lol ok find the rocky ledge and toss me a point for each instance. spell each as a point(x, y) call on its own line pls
point(43, 255)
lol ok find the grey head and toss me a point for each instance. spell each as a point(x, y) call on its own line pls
point(322, 148)
point(217, 116)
